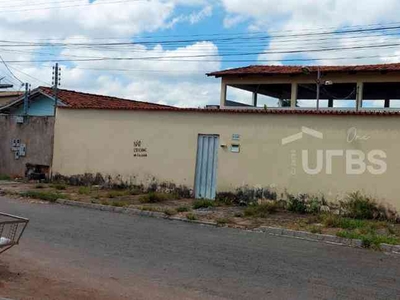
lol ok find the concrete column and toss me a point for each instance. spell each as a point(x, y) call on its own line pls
point(223, 93)
point(255, 99)
point(294, 96)
point(360, 93)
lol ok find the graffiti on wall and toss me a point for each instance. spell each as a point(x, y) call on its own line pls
point(18, 148)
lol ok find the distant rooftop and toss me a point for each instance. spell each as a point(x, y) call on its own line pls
point(293, 70)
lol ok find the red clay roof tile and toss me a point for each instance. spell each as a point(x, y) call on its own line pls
point(78, 100)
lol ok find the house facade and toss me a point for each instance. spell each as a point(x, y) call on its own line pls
point(27, 128)
point(331, 149)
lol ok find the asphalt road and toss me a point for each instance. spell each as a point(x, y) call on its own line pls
point(182, 260)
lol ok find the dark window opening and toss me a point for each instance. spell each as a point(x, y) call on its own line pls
point(381, 95)
point(339, 95)
point(259, 95)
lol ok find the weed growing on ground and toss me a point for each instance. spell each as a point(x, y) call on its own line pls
point(46, 196)
point(369, 239)
point(182, 209)
point(224, 221)
point(60, 186)
point(315, 229)
point(117, 194)
point(5, 177)
point(335, 221)
point(261, 210)
point(84, 190)
point(359, 206)
point(191, 217)
point(105, 202)
point(170, 212)
point(154, 197)
point(39, 186)
point(203, 204)
point(119, 204)
point(238, 215)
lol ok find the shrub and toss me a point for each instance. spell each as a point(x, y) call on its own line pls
point(182, 209)
point(359, 206)
point(261, 211)
point(191, 217)
point(153, 197)
point(203, 204)
point(46, 196)
point(297, 204)
point(84, 190)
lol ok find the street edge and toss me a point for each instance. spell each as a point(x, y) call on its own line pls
point(276, 231)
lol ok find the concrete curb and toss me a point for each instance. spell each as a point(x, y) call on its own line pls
point(303, 235)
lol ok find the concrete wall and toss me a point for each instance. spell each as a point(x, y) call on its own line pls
point(36, 132)
point(90, 141)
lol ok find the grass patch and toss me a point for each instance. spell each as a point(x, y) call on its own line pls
point(117, 194)
point(191, 217)
point(5, 177)
point(105, 202)
point(84, 190)
point(119, 204)
point(334, 221)
point(170, 212)
point(203, 204)
point(315, 229)
point(149, 208)
point(46, 196)
point(224, 221)
point(370, 239)
point(182, 209)
point(60, 186)
point(155, 197)
point(261, 211)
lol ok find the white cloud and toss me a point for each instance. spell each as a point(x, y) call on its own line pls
point(162, 81)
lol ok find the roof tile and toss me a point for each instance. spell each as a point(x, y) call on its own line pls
point(292, 70)
point(78, 100)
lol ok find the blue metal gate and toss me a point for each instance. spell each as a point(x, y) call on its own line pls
point(206, 166)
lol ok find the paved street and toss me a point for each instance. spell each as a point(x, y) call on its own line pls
point(91, 254)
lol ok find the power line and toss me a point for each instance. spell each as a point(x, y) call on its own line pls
point(10, 70)
point(70, 6)
point(186, 41)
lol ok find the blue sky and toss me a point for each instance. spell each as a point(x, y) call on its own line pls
point(172, 81)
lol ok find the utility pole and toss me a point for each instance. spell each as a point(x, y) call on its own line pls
point(56, 83)
point(318, 86)
point(26, 99)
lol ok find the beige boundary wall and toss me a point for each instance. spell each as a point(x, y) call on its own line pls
point(91, 141)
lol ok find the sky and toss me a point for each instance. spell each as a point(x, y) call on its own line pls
point(184, 39)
